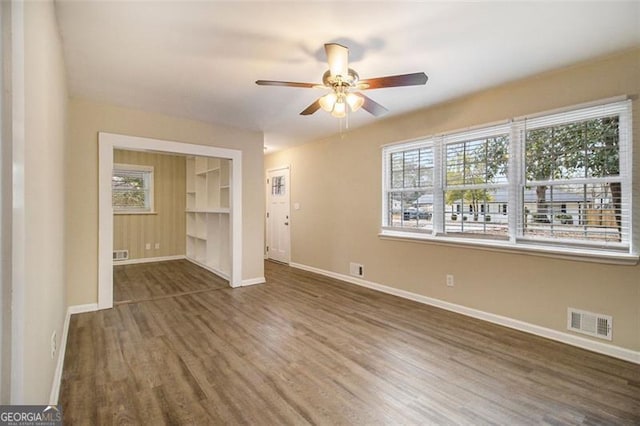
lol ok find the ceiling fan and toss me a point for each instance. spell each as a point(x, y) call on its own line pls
point(344, 85)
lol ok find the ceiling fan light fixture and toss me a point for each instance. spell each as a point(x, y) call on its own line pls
point(339, 109)
point(328, 101)
point(344, 86)
point(354, 101)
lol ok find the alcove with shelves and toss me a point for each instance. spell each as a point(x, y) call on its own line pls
point(207, 221)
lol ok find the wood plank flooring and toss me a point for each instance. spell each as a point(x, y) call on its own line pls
point(147, 281)
point(307, 349)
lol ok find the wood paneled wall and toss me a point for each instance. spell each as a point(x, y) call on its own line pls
point(167, 227)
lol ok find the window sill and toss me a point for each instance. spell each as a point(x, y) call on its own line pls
point(575, 254)
point(128, 213)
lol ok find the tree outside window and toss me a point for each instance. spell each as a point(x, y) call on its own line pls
point(574, 169)
point(132, 188)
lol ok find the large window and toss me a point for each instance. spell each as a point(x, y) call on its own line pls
point(573, 184)
point(410, 195)
point(559, 180)
point(475, 184)
point(132, 189)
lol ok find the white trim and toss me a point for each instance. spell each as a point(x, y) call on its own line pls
point(413, 142)
point(216, 271)
point(418, 140)
point(219, 210)
point(148, 260)
point(580, 342)
point(57, 375)
point(506, 246)
point(275, 169)
point(81, 309)
point(130, 212)
point(107, 142)
point(267, 200)
point(244, 283)
point(253, 281)
point(18, 212)
point(583, 105)
point(137, 167)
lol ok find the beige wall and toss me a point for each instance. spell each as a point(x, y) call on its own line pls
point(337, 182)
point(44, 200)
point(86, 119)
point(167, 226)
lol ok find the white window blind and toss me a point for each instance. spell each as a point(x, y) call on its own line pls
point(577, 183)
point(560, 179)
point(132, 188)
point(409, 188)
point(475, 186)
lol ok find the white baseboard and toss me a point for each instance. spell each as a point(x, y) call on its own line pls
point(80, 309)
point(253, 281)
point(209, 268)
point(581, 342)
point(148, 260)
point(57, 374)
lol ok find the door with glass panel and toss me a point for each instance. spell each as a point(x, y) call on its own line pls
point(278, 222)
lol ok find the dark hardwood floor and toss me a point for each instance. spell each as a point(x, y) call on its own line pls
point(146, 281)
point(304, 348)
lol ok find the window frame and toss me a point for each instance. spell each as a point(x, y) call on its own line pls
point(487, 132)
point(387, 187)
point(418, 145)
point(625, 251)
point(149, 200)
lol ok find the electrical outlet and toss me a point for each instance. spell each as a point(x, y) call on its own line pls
point(147, 246)
point(53, 344)
point(157, 246)
point(450, 282)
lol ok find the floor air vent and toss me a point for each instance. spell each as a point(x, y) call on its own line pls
point(120, 255)
point(596, 325)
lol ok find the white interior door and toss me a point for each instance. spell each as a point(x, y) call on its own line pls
point(278, 236)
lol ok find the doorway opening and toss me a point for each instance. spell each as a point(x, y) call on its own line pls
point(171, 232)
point(232, 159)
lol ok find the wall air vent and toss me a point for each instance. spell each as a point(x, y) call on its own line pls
point(120, 255)
point(596, 325)
point(356, 269)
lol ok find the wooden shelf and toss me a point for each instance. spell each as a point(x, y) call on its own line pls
point(207, 213)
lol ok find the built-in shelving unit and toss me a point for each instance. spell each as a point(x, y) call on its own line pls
point(208, 232)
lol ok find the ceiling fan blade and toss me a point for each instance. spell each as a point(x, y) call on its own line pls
point(372, 106)
point(311, 108)
point(414, 79)
point(285, 84)
point(338, 59)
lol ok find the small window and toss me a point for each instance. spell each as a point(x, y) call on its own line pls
point(132, 189)
point(278, 187)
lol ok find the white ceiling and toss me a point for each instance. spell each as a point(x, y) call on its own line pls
point(200, 59)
